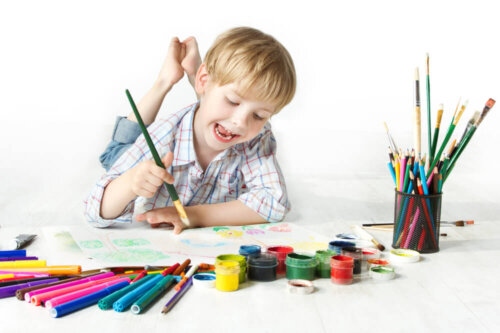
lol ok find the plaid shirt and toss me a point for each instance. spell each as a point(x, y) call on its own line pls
point(247, 171)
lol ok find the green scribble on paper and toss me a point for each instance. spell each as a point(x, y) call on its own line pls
point(64, 241)
point(219, 228)
point(131, 255)
point(123, 242)
point(91, 244)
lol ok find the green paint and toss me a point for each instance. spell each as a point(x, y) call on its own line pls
point(381, 269)
point(122, 242)
point(300, 266)
point(91, 244)
point(220, 228)
point(66, 242)
point(131, 255)
point(324, 257)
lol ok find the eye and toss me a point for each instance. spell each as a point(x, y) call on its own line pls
point(257, 117)
point(231, 102)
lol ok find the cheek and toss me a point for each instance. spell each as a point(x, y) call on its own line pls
point(254, 129)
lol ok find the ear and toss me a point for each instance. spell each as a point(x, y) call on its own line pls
point(201, 80)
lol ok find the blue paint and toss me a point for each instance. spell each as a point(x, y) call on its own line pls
point(337, 246)
point(188, 242)
point(246, 250)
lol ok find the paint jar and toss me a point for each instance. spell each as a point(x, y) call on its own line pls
point(357, 255)
point(369, 253)
point(280, 252)
point(323, 257)
point(227, 275)
point(262, 267)
point(249, 250)
point(376, 262)
point(342, 267)
point(336, 246)
point(300, 266)
point(416, 222)
point(234, 257)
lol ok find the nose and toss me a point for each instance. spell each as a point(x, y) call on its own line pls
point(239, 118)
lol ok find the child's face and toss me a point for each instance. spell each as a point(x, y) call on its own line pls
point(226, 118)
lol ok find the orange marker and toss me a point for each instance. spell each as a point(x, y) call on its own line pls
point(190, 273)
point(53, 270)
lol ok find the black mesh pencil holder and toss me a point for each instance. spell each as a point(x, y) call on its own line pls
point(416, 222)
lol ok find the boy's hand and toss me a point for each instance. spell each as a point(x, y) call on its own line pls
point(147, 177)
point(165, 215)
point(172, 71)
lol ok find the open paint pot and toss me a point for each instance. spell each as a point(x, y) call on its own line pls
point(262, 267)
point(323, 257)
point(369, 253)
point(227, 275)
point(342, 267)
point(357, 255)
point(280, 252)
point(336, 246)
point(300, 266)
point(234, 257)
point(249, 250)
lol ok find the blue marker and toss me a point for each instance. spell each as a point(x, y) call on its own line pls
point(85, 301)
point(13, 253)
point(125, 301)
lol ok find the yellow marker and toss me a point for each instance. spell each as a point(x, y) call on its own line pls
point(6, 276)
point(54, 270)
point(227, 275)
point(22, 263)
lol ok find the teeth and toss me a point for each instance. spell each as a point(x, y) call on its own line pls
point(222, 135)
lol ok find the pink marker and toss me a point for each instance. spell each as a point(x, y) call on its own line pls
point(80, 293)
point(25, 273)
point(38, 299)
point(28, 296)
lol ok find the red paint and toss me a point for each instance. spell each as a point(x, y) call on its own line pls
point(342, 267)
point(280, 252)
point(378, 262)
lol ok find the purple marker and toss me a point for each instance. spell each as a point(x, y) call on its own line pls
point(177, 296)
point(11, 290)
point(30, 294)
point(18, 258)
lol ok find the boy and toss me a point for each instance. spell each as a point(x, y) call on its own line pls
point(219, 152)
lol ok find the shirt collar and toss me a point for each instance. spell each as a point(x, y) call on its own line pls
point(184, 147)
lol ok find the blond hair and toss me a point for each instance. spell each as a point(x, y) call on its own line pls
point(257, 61)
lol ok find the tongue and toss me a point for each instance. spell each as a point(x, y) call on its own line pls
point(223, 131)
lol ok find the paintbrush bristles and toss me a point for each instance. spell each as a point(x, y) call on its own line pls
point(439, 116)
point(427, 54)
point(460, 113)
point(489, 104)
point(417, 76)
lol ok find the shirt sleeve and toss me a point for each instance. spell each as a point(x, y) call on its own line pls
point(266, 190)
point(135, 154)
point(124, 135)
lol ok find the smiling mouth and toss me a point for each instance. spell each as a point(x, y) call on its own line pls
point(222, 134)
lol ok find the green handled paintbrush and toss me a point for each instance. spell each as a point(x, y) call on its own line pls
point(170, 188)
point(436, 134)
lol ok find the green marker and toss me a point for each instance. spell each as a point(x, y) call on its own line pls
point(107, 302)
point(153, 293)
point(170, 188)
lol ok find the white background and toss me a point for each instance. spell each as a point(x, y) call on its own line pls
point(64, 66)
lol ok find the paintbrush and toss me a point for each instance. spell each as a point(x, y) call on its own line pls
point(475, 117)
point(428, 85)
point(391, 140)
point(455, 120)
point(365, 235)
point(417, 124)
point(170, 188)
point(489, 104)
point(436, 133)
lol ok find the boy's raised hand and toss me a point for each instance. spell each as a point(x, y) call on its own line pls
point(192, 60)
point(165, 215)
point(147, 177)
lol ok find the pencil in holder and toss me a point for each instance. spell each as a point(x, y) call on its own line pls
point(416, 222)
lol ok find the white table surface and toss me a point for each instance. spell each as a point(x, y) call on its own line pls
point(453, 290)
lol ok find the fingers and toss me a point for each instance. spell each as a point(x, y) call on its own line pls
point(178, 227)
point(168, 159)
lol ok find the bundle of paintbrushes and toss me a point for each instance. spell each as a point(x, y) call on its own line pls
point(419, 178)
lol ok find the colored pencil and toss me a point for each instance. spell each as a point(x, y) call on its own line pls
point(170, 188)
point(177, 296)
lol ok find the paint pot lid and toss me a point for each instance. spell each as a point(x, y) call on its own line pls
point(340, 243)
point(382, 273)
point(263, 260)
point(404, 256)
point(300, 286)
point(300, 260)
point(346, 236)
point(369, 253)
point(205, 280)
point(249, 249)
point(232, 257)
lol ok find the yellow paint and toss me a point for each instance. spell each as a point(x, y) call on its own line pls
point(23, 263)
point(227, 275)
point(229, 233)
point(234, 257)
